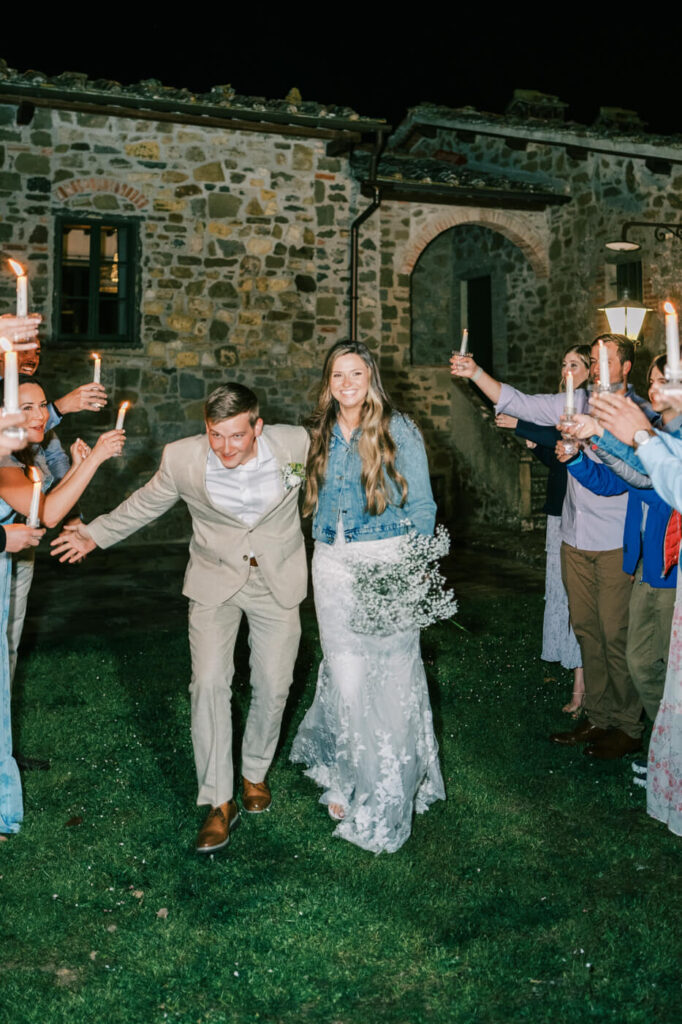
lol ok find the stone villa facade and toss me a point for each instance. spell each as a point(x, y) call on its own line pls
point(193, 239)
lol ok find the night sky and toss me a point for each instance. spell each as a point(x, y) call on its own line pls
point(335, 56)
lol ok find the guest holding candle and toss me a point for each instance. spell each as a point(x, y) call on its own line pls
point(16, 487)
point(659, 454)
point(85, 398)
point(591, 558)
point(18, 495)
point(559, 642)
point(653, 593)
point(90, 397)
point(13, 537)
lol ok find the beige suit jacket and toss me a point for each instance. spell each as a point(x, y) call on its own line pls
point(219, 549)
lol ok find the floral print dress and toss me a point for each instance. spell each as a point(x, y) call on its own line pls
point(664, 773)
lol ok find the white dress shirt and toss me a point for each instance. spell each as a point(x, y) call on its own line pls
point(247, 491)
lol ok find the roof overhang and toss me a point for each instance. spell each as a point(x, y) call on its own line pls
point(235, 118)
point(452, 195)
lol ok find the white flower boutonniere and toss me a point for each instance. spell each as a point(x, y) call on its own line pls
point(293, 475)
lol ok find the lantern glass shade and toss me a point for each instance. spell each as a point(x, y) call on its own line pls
point(625, 316)
point(622, 245)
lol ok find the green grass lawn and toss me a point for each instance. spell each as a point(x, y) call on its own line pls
point(539, 891)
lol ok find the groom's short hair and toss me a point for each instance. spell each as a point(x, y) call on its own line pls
point(230, 400)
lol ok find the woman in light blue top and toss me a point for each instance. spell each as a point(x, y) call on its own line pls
point(368, 737)
point(16, 492)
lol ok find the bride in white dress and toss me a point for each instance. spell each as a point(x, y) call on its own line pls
point(367, 738)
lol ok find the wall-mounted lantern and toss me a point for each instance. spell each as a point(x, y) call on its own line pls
point(625, 315)
point(662, 231)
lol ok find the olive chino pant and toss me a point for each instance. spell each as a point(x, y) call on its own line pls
point(650, 624)
point(598, 601)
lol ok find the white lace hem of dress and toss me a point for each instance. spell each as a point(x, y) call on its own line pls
point(368, 737)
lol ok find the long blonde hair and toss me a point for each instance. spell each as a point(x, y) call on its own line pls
point(376, 447)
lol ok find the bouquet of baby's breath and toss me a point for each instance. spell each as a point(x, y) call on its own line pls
point(408, 593)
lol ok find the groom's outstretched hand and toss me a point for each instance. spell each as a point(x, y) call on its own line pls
point(73, 543)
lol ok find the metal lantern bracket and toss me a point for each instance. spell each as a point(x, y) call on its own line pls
point(662, 231)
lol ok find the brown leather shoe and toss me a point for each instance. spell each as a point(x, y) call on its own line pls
point(256, 796)
point(585, 732)
point(615, 744)
point(215, 832)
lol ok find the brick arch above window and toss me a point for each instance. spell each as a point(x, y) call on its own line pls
point(516, 227)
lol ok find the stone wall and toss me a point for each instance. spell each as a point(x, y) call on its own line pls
point(244, 252)
point(606, 190)
point(244, 274)
point(566, 275)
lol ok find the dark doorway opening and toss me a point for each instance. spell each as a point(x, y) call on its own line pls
point(480, 321)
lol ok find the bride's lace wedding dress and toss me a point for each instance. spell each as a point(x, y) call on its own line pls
point(368, 736)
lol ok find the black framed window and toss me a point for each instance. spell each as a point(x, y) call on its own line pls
point(629, 279)
point(95, 275)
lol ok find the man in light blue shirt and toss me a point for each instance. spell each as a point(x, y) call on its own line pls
point(591, 560)
point(655, 452)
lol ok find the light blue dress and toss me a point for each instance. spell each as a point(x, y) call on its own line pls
point(11, 803)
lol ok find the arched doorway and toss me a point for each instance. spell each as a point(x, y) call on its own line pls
point(471, 275)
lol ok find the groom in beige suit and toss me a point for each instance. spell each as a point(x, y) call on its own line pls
point(240, 482)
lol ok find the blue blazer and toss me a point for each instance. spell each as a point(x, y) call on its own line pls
point(647, 545)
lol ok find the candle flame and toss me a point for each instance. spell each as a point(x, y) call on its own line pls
point(124, 405)
point(35, 475)
point(94, 355)
point(17, 268)
point(668, 306)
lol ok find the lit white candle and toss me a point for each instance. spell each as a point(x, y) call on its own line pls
point(672, 339)
point(604, 375)
point(34, 512)
point(22, 288)
point(464, 347)
point(122, 409)
point(570, 400)
point(98, 368)
point(11, 377)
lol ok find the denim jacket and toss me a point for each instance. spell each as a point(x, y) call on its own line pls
point(342, 493)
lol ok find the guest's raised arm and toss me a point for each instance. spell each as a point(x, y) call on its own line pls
point(466, 367)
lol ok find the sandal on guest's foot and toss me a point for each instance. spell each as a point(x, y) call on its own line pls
point(575, 707)
point(337, 812)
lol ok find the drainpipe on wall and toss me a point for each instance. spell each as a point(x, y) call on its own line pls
point(355, 234)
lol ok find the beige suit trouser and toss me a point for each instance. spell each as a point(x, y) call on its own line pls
point(274, 634)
